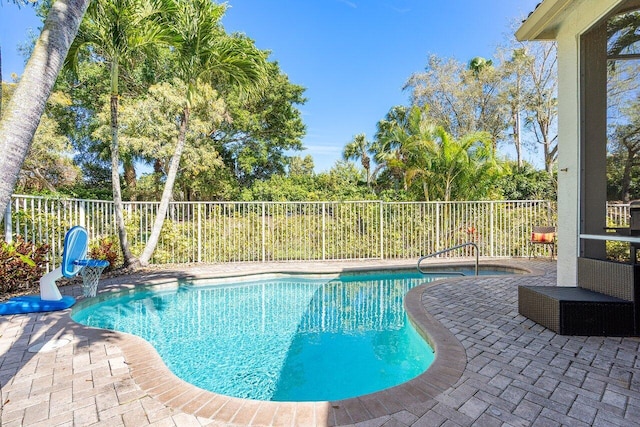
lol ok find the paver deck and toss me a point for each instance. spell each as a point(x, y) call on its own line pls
point(495, 367)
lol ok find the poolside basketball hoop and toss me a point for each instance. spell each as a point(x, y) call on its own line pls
point(73, 262)
point(91, 271)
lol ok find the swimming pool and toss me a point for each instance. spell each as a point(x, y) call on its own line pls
point(290, 339)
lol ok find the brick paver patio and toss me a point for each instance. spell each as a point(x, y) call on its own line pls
point(503, 369)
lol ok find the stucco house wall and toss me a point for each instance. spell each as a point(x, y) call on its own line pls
point(566, 21)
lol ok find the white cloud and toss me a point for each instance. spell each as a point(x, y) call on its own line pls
point(349, 3)
point(329, 149)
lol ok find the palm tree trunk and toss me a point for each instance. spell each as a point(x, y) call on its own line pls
point(425, 190)
point(167, 194)
point(130, 178)
point(157, 178)
point(28, 102)
point(516, 136)
point(0, 81)
point(366, 164)
point(129, 260)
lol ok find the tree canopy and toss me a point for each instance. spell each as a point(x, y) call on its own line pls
point(156, 66)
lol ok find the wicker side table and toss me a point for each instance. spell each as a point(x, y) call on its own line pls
point(576, 311)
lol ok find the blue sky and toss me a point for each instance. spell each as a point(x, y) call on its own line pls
point(353, 56)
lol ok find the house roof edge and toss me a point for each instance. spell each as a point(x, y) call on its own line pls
point(542, 23)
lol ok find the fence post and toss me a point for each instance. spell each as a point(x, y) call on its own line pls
point(82, 214)
point(437, 245)
point(324, 232)
point(8, 235)
point(382, 204)
point(199, 206)
point(491, 228)
point(264, 233)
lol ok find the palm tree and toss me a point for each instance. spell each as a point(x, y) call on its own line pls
point(119, 31)
point(400, 129)
point(477, 64)
point(451, 169)
point(359, 148)
point(23, 113)
point(445, 168)
point(203, 52)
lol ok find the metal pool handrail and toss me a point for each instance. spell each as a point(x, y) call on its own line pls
point(445, 251)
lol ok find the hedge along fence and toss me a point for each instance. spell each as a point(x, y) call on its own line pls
point(289, 231)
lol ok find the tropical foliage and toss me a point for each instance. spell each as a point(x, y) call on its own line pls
point(22, 264)
point(179, 119)
point(203, 53)
point(158, 95)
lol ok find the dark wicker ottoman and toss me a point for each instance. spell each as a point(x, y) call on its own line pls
point(576, 311)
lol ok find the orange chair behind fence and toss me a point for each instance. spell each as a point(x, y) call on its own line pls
point(542, 235)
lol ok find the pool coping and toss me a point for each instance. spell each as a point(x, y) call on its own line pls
point(154, 378)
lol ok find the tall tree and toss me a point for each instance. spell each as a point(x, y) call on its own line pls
point(301, 166)
point(23, 113)
point(625, 142)
point(148, 131)
point(119, 31)
point(391, 140)
point(462, 99)
point(453, 169)
point(360, 148)
point(541, 99)
point(512, 96)
point(254, 143)
point(203, 52)
point(484, 86)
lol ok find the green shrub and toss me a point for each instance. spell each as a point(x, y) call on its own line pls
point(106, 248)
point(618, 251)
point(22, 264)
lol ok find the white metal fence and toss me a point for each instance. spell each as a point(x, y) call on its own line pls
point(273, 231)
point(289, 231)
point(618, 214)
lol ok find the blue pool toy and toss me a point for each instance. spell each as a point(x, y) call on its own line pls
point(76, 243)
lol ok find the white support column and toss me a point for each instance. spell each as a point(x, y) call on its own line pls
point(577, 21)
point(568, 157)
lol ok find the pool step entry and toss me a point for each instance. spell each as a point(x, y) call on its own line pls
point(443, 251)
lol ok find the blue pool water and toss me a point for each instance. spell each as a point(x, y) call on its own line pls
point(290, 339)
